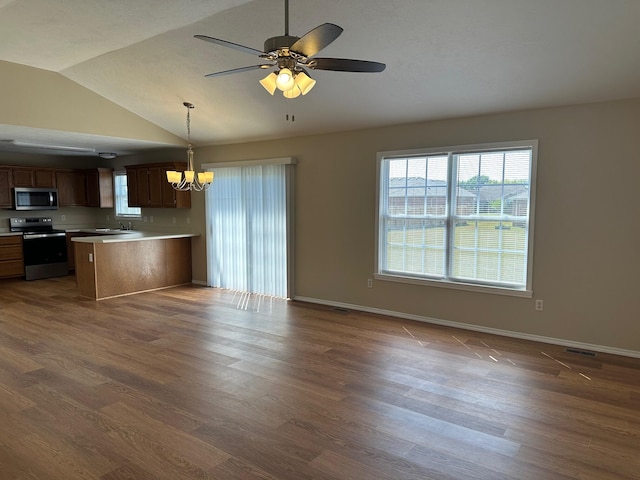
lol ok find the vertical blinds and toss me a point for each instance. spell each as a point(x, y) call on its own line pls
point(247, 229)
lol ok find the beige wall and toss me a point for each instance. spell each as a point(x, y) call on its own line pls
point(587, 230)
point(43, 99)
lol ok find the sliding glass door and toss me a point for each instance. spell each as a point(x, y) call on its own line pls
point(249, 232)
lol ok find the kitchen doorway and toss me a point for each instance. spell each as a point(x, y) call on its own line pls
point(249, 211)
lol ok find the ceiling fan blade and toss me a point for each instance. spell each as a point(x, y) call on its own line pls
point(238, 70)
point(315, 40)
point(345, 65)
point(225, 43)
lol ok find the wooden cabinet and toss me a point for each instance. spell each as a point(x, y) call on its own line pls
point(99, 187)
point(148, 187)
point(71, 188)
point(34, 177)
point(5, 188)
point(122, 268)
point(11, 256)
point(172, 198)
point(143, 186)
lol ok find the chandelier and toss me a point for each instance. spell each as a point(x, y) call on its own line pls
point(188, 180)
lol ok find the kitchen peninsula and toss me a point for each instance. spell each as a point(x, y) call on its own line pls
point(132, 262)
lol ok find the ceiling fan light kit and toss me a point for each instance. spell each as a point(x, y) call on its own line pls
point(292, 56)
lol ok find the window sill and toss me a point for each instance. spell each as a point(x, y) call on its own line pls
point(455, 285)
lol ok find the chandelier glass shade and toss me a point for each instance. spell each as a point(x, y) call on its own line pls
point(189, 180)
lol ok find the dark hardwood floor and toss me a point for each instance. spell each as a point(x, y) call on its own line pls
point(197, 383)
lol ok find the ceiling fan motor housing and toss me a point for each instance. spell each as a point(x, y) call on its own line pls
point(274, 44)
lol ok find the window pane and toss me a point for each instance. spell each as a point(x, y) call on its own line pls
point(492, 252)
point(121, 195)
point(416, 246)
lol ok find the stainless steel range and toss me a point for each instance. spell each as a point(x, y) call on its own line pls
point(45, 249)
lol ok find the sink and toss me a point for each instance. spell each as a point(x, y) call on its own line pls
point(112, 230)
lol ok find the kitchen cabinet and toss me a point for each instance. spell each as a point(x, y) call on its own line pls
point(113, 268)
point(5, 188)
point(34, 177)
point(99, 187)
point(147, 186)
point(71, 188)
point(11, 256)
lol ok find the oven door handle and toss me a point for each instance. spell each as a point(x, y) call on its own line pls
point(28, 236)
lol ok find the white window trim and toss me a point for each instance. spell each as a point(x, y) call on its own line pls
point(115, 200)
point(526, 292)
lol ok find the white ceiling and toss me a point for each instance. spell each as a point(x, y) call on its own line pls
point(445, 58)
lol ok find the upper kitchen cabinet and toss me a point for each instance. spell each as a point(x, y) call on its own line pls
point(147, 186)
point(71, 188)
point(5, 188)
point(34, 177)
point(99, 187)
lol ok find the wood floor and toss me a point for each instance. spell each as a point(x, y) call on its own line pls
point(197, 383)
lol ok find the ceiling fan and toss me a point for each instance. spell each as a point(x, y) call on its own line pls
point(293, 56)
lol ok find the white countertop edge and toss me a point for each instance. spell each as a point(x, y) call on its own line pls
point(131, 237)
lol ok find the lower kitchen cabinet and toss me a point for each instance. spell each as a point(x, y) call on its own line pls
point(11, 256)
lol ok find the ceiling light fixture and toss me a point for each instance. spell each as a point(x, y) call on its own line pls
point(189, 181)
point(291, 83)
point(44, 146)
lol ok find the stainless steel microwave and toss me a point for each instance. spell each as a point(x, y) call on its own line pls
point(26, 198)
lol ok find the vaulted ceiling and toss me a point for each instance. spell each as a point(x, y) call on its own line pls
point(445, 58)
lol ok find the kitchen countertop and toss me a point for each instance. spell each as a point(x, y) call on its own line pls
point(9, 234)
point(128, 236)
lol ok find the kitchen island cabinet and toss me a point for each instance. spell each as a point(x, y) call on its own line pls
point(116, 265)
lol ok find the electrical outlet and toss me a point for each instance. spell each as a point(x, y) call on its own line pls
point(369, 283)
point(173, 219)
point(151, 218)
point(188, 219)
point(64, 217)
point(91, 258)
point(539, 305)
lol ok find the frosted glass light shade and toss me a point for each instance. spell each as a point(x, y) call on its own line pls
point(285, 80)
point(269, 82)
point(293, 93)
point(189, 175)
point(205, 177)
point(304, 82)
point(174, 177)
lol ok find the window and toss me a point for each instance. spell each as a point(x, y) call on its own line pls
point(458, 216)
point(122, 206)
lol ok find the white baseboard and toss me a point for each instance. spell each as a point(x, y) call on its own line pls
point(477, 328)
